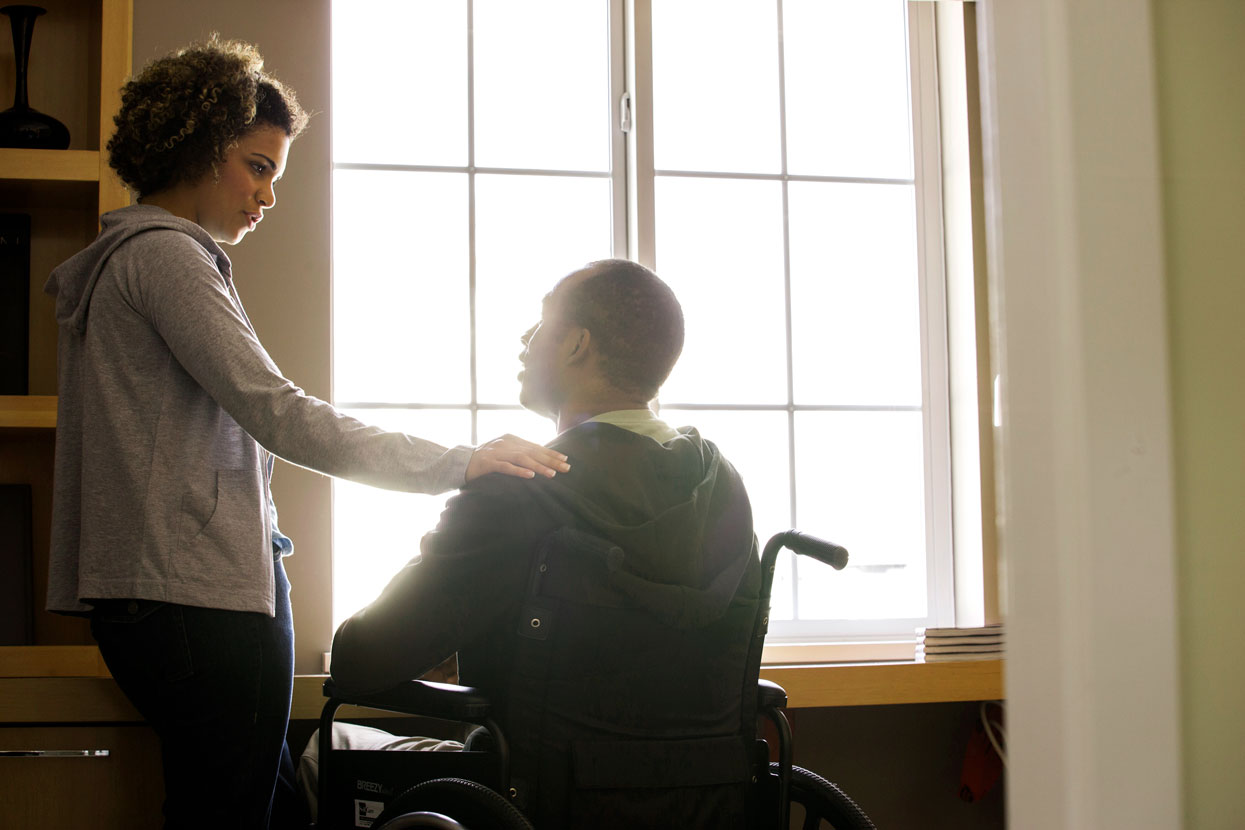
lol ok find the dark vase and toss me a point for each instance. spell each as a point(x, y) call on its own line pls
point(20, 126)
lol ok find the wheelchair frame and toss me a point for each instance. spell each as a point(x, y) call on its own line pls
point(465, 704)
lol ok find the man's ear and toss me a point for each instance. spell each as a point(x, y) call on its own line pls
point(577, 345)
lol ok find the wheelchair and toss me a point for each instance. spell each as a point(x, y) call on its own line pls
point(479, 788)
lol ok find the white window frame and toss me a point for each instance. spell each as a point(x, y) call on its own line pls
point(633, 182)
point(814, 640)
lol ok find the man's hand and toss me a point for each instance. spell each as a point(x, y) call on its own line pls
point(515, 457)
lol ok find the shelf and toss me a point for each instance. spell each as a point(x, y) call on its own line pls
point(52, 661)
point(49, 165)
point(89, 47)
point(27, 412)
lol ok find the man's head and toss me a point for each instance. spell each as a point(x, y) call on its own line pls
point(608, 337)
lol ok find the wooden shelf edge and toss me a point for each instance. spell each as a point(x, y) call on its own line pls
point(27, 412)
point(51, 661)
point(49, 165)
point(880, 684)
point(64, 700)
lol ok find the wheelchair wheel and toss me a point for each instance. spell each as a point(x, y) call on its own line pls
point(821, 804)
point(472, 805)
point(432, 821)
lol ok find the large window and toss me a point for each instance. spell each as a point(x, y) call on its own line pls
point(774, 160)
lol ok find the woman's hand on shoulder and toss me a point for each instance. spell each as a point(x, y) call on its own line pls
point(515, 457)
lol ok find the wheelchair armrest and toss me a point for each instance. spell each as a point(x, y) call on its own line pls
point(421, 697)
point(770, 695)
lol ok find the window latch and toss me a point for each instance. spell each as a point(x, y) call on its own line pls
point(624, 112)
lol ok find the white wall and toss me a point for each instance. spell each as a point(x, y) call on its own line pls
point(1085, 494)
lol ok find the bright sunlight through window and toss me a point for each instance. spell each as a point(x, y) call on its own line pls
point(481, 152)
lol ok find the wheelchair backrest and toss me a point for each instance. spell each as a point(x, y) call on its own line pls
point(621, 709)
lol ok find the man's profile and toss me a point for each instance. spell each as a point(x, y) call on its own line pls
point(676, 548)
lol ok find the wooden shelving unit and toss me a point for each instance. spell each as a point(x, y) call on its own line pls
point(81, 58)
point(57, 692)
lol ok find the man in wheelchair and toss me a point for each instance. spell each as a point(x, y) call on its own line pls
point(607, 613)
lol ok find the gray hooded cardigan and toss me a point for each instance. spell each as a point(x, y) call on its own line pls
point(169, 407)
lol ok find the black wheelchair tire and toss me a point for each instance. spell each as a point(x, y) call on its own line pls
point(824, 804)
point(473, 805)
point(425, 819)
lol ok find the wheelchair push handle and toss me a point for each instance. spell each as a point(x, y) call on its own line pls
point(828, 552)
point(831, 554)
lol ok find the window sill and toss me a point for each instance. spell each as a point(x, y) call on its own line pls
point(811, 686)
point(69, 684)
point(820, 654)
point(879, 684)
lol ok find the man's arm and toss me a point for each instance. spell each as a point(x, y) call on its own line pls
point(472, 573)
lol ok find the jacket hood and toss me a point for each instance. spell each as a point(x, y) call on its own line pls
point(74, 280)
point(672, 521)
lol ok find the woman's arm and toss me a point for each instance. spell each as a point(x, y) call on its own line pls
point(191, 305)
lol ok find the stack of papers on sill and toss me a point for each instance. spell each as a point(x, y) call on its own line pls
point(946, 644)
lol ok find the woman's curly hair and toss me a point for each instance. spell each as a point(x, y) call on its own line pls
point(183, 112)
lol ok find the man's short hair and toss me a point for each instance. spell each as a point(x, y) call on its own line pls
point(635, 320)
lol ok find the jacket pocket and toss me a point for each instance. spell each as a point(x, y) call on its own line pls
point(219, 524)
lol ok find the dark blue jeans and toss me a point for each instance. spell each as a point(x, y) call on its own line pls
point(216, 686)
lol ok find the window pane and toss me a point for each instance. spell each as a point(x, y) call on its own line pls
point(847, 88)
point(530, 232)
point(715, 86)
point(400, 303)
point(542, 84)
point(719, 246)
point(860, 482)
point(400, 89)
point(436, 276)
point(493, 423)
point(376, 532)
point(855, 307)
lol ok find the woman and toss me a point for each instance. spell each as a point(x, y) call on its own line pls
point(170, 413)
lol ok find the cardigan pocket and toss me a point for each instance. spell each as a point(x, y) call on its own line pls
point(217, 529)
point(197, 508)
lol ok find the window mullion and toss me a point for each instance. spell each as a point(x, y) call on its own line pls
point(933, 315)
point(786, 276)
point(618, 40)
point(471, 218)
point(641, 225)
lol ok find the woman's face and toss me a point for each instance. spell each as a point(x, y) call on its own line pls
point(230, 205)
